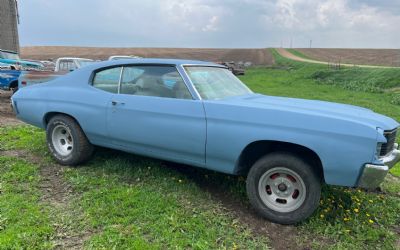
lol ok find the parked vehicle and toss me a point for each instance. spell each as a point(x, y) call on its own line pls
point(9, 79)
point(12, 58)
point(66, 64)
point(122, 57)
point(10, 69)
point(63, 66)
point(49, 65)
point(4, 66)
point(234, 68)
point(200, 114)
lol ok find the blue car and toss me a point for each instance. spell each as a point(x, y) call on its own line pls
point(9, 79)
point(12, 58)
point(200, 114)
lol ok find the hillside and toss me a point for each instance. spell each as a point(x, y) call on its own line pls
point(256, 56)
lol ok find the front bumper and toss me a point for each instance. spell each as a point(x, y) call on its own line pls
point(373, 175)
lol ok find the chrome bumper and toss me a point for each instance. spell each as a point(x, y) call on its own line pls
point(373, 175)
point(391, 159)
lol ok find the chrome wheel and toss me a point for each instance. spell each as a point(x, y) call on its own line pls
point(282, 189)
point(62, 140)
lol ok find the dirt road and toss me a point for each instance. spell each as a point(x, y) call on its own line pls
point(285, 53)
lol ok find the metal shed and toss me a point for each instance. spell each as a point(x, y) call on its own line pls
point(9, 39)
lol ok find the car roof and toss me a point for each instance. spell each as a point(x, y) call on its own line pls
point(74, 58)
point(138, 61)
point(122, 56)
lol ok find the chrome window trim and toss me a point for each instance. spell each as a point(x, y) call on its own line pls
point(188, 82)
point(120, 79)
point(185, 82)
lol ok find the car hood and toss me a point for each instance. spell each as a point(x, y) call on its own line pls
point(21, 62)
point(320, 108)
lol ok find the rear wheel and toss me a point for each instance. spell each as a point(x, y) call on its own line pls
point(283, 188)
point(67, 142)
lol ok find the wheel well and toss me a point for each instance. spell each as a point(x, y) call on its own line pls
point(13, 84)
point(50, 115)
point(258, 149)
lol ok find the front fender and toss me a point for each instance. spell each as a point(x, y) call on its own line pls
point(343, 146)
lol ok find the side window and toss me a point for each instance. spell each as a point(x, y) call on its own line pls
point(130, 75)
point(160, 81)
point(107, 80)
point(67, 65)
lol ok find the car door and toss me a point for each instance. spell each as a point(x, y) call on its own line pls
point(155, 115)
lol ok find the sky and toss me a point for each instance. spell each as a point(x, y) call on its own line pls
point(211, 23)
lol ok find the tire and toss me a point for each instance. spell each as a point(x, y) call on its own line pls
point(283, 188)
point(67, 142)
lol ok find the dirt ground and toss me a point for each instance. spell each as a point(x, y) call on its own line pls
point(7, 116)
point(286, 53)
point(382, 57)
point(256, 56)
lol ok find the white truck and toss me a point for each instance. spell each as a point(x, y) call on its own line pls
point(67, 64)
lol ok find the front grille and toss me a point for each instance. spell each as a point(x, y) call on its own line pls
point(390, 136)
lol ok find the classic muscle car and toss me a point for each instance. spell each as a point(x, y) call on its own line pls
point(200, 114)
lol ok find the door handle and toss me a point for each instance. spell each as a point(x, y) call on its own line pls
point(114, 103)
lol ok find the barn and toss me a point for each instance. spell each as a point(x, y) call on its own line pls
point(9, 25)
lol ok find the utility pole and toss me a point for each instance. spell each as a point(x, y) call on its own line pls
point(310, 43)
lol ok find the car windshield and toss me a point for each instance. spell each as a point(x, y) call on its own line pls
point(214, 83)
point(83, 63)
point(9, 55)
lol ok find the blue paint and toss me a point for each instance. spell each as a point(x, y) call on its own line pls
point(209, 133)
point(12, 58)
point(7, 77)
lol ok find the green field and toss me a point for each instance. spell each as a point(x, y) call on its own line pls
point(125, 201)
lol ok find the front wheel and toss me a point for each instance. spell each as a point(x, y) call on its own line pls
point(283, 188)
point(67, 142)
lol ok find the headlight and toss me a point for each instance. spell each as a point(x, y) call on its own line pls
point(378, 149)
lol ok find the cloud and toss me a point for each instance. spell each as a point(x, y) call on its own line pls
point(210, 23)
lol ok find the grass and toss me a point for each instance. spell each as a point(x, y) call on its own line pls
point(136, 202)
point(125, 201)
point(24, 221)
point(132, 196)
point(162, 208)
